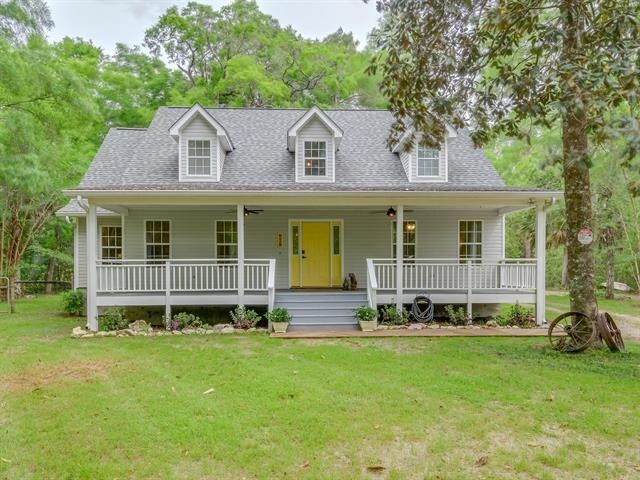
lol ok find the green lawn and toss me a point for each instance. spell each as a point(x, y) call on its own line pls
point(442, 408)
point(622, 304)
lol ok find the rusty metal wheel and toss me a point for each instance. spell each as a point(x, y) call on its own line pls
point(571, 332)
point(610, 332)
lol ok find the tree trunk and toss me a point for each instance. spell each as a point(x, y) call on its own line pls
point(51, 268)
point(577, 185)
point(564, 279)
point(526, 247)
point(611, 272)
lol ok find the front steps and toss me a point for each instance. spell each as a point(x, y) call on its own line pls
point(325, 310)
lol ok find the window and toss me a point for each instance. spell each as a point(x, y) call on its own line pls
point(158, 239)
point(336, 239)
point(111, 242)
point(470, 240)
point(226, 239)
point(199, 157)
point(295, 240)
point(409, 239)
point(315, 159)
point(428, 161)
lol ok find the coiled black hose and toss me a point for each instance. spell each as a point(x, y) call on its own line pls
point(422, 309)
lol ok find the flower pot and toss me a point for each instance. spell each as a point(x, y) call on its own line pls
point(368, 326)
point(279, 327)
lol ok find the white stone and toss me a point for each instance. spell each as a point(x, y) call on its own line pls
point(227, 329)
point(78, 332)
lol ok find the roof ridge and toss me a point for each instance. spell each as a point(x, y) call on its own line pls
point(144, 129)
point(275, 109)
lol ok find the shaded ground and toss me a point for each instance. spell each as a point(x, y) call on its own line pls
point(230, 407)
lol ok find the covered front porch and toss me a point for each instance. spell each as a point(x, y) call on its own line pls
point(269, 249)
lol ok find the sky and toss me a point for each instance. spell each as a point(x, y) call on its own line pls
point(107, 22)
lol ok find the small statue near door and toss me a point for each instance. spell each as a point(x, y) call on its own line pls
point(350, 282)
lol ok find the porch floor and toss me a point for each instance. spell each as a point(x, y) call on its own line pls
point(426, 332)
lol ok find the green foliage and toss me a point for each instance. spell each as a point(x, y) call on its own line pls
point(279, 315)
point(185, 320)
point(517, 315)
point(244, 318)
point(365, 313)
point(456, 316)
point(390, 315)
point(113, 319)
point(73, 302)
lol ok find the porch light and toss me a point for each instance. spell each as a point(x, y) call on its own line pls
point(410, 226)
point(391, 212)
point(246, 212)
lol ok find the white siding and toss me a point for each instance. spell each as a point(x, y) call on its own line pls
point(81, 248)
point(314, 129)
point(366, 235)
point(405, 158)
point(199, 129)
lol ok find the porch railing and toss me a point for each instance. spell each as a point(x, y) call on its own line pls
point(200, 275)
point(453, 274)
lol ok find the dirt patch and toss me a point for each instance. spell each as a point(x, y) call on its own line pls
point(46, 375)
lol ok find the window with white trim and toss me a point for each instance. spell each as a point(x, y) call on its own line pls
point(408, 239)
point(111, 242)
point(470, 240)
point(199, 157)
point(315, 159)
point(157, 238)
point(226, 239)
point(428, 161)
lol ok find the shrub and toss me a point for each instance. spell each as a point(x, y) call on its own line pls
point(517, 315)
point(391, 316)
point(457, 317)
point(73, 302)
point(185, 320)
point(113, 319)
point(279, 315)
point(244, 318)
point(366, 313)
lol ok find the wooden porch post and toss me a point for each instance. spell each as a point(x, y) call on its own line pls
point(240, 220)
point(92, 270)
point(541, 247)
point(399, 255)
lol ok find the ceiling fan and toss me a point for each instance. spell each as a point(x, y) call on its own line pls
point(390, 212)
point(249, 211)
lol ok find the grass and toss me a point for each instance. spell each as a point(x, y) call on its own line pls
point(448, 408)
point(622, 304)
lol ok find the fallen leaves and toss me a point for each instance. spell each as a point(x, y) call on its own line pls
point(376, 469)
point(306, 464)
point(207, 392)
point(482, 461)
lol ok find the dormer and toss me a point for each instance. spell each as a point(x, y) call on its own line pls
point(314, 139)
point(202, 146)
point(421, 162)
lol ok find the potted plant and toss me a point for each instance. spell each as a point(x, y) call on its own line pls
point(279, 319)
point(367, 317)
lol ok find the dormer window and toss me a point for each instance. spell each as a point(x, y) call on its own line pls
point(199, 157)
point(428, 161)
point(315, 159)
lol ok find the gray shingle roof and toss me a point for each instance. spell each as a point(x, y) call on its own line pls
point(132, 159)
point(73, 209)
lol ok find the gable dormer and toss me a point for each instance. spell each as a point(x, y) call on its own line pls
point(202, 146)
point(421, 162)
point(314, 139)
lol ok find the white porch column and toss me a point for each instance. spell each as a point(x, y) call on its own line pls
point(541, 247)
point(92, 270)
point(240, 219)
point(399, 255)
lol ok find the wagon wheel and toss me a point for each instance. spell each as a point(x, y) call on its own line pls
point(610, 332)
point(571, 332)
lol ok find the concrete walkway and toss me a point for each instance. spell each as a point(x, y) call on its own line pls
point(425, 332)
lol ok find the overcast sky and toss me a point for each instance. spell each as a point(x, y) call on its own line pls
point(107, 22)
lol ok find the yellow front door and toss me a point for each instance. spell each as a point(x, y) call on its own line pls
point(315, 255)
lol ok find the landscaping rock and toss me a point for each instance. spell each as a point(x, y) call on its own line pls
point(188, 331)
point(78, 332)
point(219, 327)
point(228, 329)
point(139, 326)
point(101, 334)
point(416, 326)
point(491, 323)
point(177, 332)
point(382, 327)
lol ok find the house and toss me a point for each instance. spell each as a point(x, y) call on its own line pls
point(226, 206)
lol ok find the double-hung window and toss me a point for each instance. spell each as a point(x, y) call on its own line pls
point(470, 240)
point(111, 242)
point(428, 161)
point(226, 239)
point(315, 159)
point(408, 239)
point(199, 157)
point(157, 238)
